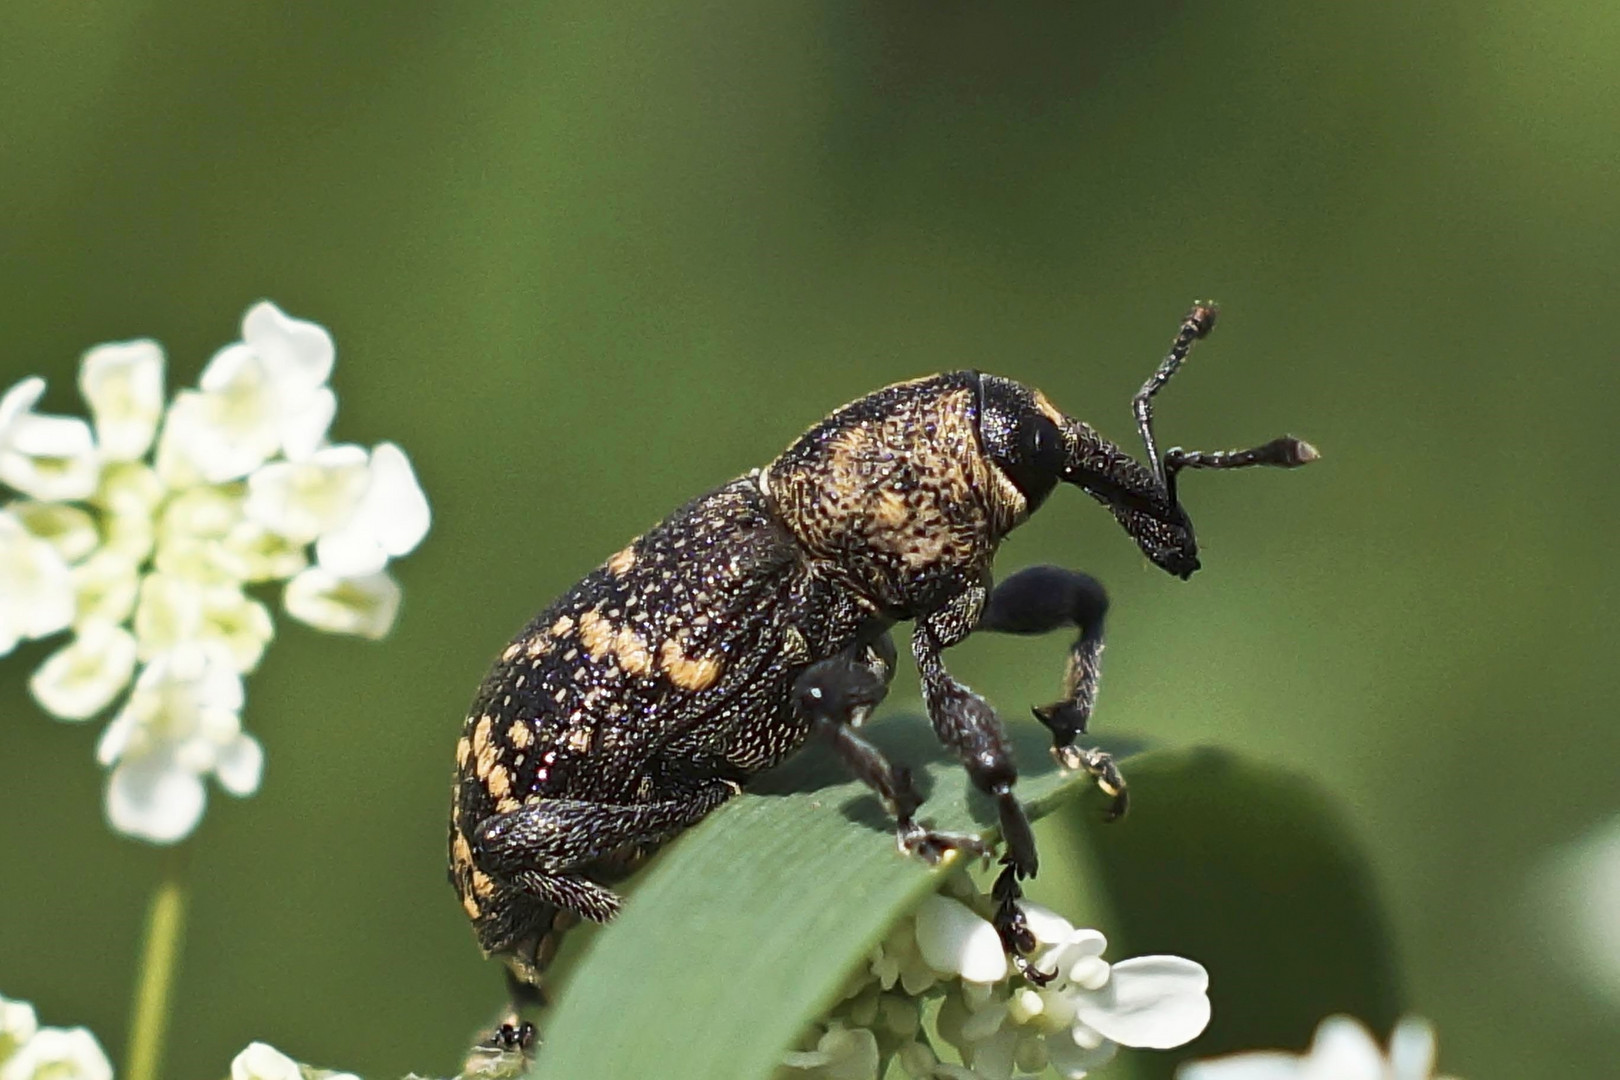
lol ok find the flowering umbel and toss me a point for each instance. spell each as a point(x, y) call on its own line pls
point(941, 979)
point(147, 530)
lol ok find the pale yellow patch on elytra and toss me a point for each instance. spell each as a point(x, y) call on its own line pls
point(631, 649)
point(461, 861)
point(520, 735)
point(562, 627)
point(595, 634)
point(485, 752)
point(499, 782)
point(579, 740)
point(463, 752)
point(621, 563)
point(686, 672)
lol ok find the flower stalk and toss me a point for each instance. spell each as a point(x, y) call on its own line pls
point(154, 981)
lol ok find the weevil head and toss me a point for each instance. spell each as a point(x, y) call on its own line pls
point(1023, 436)
point(1035, 446)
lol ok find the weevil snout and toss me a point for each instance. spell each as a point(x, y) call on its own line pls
point(1167, 541)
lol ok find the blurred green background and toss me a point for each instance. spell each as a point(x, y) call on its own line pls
point(584, 261)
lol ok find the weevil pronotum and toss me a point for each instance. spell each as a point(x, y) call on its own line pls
point(757, 616)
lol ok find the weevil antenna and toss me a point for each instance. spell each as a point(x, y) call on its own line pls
point(1197, 324)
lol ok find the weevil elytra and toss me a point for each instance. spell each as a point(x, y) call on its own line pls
point(757, 616)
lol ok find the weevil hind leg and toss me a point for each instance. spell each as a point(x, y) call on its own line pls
point(544, 848)
point(534, 874)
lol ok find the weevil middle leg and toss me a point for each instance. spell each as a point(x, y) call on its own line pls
point(835, 696)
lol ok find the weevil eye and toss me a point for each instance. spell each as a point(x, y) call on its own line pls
point(1020, 438)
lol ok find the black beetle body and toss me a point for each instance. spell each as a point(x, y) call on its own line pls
point(715, 645)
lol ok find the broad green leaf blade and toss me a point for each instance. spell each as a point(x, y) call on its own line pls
point(746, 929)
point(1250, 870)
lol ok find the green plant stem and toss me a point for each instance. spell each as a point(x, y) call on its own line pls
point(154, 983)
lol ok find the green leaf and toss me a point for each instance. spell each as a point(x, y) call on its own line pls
point(747, 929)
point(1250, 870)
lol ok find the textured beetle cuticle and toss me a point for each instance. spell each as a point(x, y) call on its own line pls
point(757, 617)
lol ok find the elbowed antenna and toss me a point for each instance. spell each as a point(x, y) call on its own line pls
point(1285, 452)
point(1196, 325)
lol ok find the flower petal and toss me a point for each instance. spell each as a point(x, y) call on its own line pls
point(240, 765)
point(69, 530)
point(955, 941)
point(19, 401)
point(168, 613)
point(51, 436)
point(302, 351)
point(123, 382)
point(36, 586)
point(255, 553)
point(243, 626)
point(395, 503)
point(1149, 1001)
point(130, 487)
point(229, 429)
point(305, 421)
point(51, 458)
point(104, 587)
point(1073, 1061)
point(1342, 1050)
point(80, 680)
point(1048, 926)
point(1411, 1049)
point(154, 797)
point(365, 605)
point(17, 1025)
point(261, 1061)
point(351, 551)
point(301, 500)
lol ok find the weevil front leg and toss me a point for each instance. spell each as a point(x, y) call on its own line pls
point(1044, 598)
point(836, 695)
point(968, 726)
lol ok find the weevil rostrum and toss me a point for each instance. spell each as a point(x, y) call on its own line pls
point(757, 617)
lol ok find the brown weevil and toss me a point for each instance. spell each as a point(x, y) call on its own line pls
point(757, 616)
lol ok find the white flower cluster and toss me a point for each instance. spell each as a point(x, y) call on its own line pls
point(1341, 1050)
point(148, 563)
point(30, 1052)
point(941, 977)
point(261, 1061)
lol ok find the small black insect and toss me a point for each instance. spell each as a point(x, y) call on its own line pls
point(758, 615)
